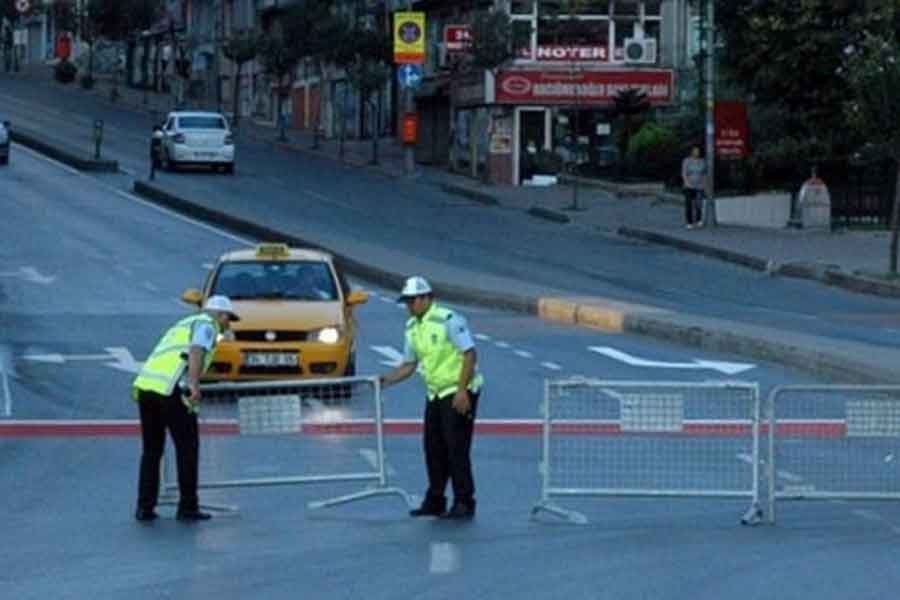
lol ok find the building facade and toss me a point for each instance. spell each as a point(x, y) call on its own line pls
point(556, 96)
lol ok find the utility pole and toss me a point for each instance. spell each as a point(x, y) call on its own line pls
point(409, 105)
point(709, 211)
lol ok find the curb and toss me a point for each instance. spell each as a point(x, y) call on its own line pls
point(822, 273)
point(472, 194)
point(596, 313)
point(67, 157)
point(548, 215)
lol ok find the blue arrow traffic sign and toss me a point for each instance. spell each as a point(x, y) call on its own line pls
point(410, 75)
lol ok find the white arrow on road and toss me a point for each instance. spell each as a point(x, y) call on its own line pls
point(728, 368)
point(393, 357)
point(119, 358)
point(29, 274)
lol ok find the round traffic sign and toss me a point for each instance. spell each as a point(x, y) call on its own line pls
point(23, 5)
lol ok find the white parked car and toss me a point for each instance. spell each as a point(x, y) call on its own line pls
point(4, 142)
point(194, 137)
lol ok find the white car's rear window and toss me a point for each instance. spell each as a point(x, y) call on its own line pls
point(201, 123)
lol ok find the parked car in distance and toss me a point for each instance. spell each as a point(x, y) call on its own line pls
point(197, 137)
point(4, 142)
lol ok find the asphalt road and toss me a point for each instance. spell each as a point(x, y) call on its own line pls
point(87, 268)
point(340, 207)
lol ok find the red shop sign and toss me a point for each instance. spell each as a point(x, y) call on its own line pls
point(586, 87)
point(457, 38)
point(732, 132)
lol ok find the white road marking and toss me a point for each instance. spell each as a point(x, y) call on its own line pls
point(445, 558)
point(728, 368)
point(29, 274)
point(371, 457)
point(867, 515)
point(64, 167)
point(482, 337)
point(393, 356)
point(503, 345)
point(552, 366)
point(524, 354)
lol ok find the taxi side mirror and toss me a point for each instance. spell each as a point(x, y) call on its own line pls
point(192, 296)
point(357, 297)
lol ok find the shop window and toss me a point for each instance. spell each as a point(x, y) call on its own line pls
point(629, 8)
point(522, 31)
point(522, 7)
point(573, 33)
point(652, 8)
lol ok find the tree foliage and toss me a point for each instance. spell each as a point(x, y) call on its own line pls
point(786, 53)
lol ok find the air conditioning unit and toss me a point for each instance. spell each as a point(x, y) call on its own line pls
point(640, 50)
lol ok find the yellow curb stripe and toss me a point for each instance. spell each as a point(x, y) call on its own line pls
point(597, 313)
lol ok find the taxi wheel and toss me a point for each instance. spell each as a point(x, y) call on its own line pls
point(229, 168)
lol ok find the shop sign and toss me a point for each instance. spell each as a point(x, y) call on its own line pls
point(562, 53)
point(586, 87)
point(457, 38)
point(732, 132)
point(409, 37)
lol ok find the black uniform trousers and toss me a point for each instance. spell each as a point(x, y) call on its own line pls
point(159, 413)
point(448, 442)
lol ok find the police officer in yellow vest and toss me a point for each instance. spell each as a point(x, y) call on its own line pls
point(439, 345)
point(168, 394)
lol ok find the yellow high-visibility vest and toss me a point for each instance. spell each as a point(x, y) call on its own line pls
point(165, 365)
point(439, 360)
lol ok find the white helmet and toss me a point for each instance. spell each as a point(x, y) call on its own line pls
point(414, 286)
point(221, 304)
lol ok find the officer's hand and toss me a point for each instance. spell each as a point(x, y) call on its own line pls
point(194, 396)
point(461, 402)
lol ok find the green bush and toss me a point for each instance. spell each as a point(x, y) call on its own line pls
point(87, 82)
point(65, 72)
point(654, 152)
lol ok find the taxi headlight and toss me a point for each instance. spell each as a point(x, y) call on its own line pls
point(328, 335)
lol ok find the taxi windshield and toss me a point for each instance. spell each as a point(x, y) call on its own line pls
point(295, 280)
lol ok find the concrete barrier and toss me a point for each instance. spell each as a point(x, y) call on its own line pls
point(768, 211)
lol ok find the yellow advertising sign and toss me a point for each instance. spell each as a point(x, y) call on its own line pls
point(409, 37)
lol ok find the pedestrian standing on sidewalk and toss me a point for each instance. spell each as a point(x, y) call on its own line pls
point(439, 345)
point(693, 181)
point(167, 391)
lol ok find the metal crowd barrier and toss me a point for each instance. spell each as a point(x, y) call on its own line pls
point(652, 439)
point(291, 432)
point(833, 442)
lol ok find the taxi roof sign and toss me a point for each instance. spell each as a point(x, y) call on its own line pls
point(272, 249)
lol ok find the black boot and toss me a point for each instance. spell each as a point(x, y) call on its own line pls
point(462, 509)
point(431, 507)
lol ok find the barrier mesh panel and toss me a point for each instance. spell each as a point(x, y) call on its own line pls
point(288, 429)
point(837, 441)
point(650, 438)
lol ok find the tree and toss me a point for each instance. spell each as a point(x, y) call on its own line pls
point(872, 74)
point(365, 55)
point(491, 47)
point(278, 58)
point(628, 105)
point(311, 27)
point(240, 48)
point(785, 52)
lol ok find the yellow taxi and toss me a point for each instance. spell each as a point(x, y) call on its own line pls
point(296, 312)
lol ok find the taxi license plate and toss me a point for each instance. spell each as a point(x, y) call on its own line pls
point(270, 359)
point(206, 154)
